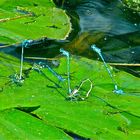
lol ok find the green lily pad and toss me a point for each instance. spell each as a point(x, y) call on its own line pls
point(103, 115)
point(23, 19)
point(15, 125)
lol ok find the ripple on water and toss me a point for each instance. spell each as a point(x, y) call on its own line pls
point(105, 16)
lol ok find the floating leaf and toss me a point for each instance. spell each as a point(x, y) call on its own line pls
point(104, 115)
point(22, 19)
point(17, 125)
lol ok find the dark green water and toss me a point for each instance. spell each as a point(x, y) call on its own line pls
point(112, 27)
point(120, 26)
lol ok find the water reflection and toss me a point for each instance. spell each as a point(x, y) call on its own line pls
point(111, 26)
point(104, 16)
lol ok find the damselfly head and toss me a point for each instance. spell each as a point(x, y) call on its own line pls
point(25, 43)
point(66, 53)
point(96, 49)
